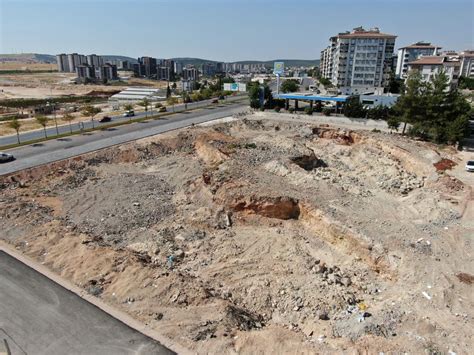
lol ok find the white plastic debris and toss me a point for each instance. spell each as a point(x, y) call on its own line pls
point(427, 296)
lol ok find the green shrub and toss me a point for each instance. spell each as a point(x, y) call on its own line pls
point(250, 145)
point(291, 110)
point(308, 110)
point(277, 109)
point(327, 112)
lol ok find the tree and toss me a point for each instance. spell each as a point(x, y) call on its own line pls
point(289, 86)
point(435, 112)
point(91, 111)
point(395, 85)
point(354, 108)
point(68, 118)
point(16, 125)
point(466, 83)
point(145, 103)
point(128, 107)
point(325, 82)
point(255, 90)
point(43, 121)
point(409, 106)
point(168, 91)
point(174, 86)
point(172, 101)
point(393, 123)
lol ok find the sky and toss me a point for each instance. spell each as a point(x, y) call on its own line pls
point(224, 30)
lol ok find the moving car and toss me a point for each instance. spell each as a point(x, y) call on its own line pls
point(470, 165)
point(105, 119)
point(162, 109)
point(5, 157)
point(130, 113)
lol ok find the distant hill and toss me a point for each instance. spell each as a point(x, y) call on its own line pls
point(28, 58)
point(288, 62)
point(193, 61)
point(48, 58)
point(269, 63)
point(108, 57)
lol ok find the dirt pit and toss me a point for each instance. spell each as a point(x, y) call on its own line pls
point(261, 236)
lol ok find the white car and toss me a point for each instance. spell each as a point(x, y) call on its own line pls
point(470, 165)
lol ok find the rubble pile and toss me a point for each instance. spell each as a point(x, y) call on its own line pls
point(261, 235)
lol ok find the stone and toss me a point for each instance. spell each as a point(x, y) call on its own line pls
point(323, 315)
point(346, 281)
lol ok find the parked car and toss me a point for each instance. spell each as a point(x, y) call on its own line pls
point(162, 109)
point(105, 119)
point(130, 113)
point(470, 165)
point(5, 157)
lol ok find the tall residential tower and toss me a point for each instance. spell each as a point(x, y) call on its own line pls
point(359, 61)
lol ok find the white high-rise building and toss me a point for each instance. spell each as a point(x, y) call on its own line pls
point(467, 63)
point(359, 61)
point(411, 53)
point(325, 64)
point(178, 68)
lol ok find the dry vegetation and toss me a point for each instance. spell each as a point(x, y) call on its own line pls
point(258, 236)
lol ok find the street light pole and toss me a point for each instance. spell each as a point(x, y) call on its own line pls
point(55, 120)
point(49, 104)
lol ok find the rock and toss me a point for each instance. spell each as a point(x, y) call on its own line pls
point(323, 315)
point(320, 269)
point(346, 281)
point(159, 316)
point(179, 253)
point(334, 278)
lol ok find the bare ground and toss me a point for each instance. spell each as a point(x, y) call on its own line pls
point(262, 236)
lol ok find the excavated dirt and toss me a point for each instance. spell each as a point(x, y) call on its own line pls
point(261, 236)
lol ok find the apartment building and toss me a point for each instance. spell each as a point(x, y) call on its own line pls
point(69, 62)
point(85, 73)
point(147, 66)
point(63, 63)
point(208, 69)
point(75, 59)
point(411, 53)
point(94, 60)
point(429, 66)
point(164, 73)
point(190, 74)
point(89, 73)
point(466, 59)
point(178, 68)
point(166, 70)
point(325, 63)
point(360, 60)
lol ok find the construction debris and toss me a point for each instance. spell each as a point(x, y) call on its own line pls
point(260, 236)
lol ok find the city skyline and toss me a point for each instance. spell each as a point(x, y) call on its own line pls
point(222, 30)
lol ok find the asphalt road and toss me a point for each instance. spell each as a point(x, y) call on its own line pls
point(62, 148)
point(38, 316)
point(51, 131)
